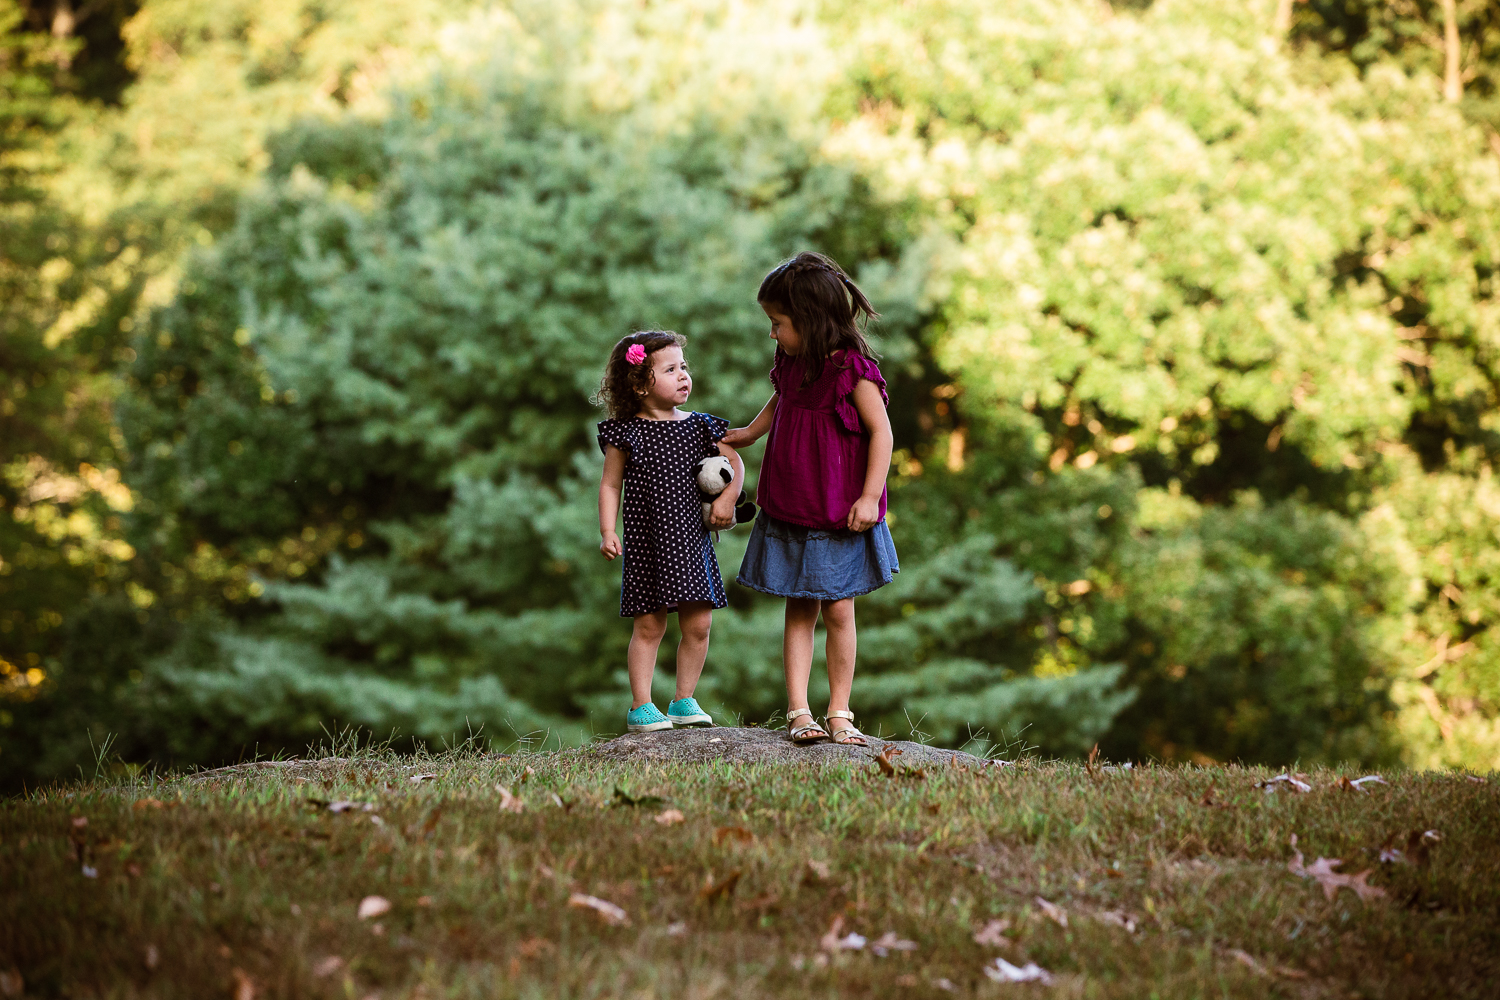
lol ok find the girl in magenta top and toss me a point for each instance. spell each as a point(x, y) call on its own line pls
point(821, 538)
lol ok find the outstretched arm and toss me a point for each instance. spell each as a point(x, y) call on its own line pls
point(742, 437)
point(866, 510)
point(609, 501)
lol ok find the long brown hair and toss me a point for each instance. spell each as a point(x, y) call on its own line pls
point(824, 305)
point(623, 384)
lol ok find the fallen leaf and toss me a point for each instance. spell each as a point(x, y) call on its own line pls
point(1002, 971)
point(1119, 918)
point(607, 911)
point(244, 986)
point(424, 901)
point(417, 779)
point(508, 802)
point(1054, 912)
point(832, 942)
point(1476, 779)
point(763, 903)
point(886, 756)
point(373, 906)
point(557, 800)
point(1322, 871)
point(432, 821)
point(738, 834)
point(1247, 960)
point(327, 966)
point(1358, 784)
point(152, 957)
point(679, 928)
point(1289, 972)
point(993, 934)
point(670, 817)
point(528, 773)
point(1296, 782)
point(817, 871)
point(714, 740)
point(79, 822)
point(344, 806)
point(945, 984)
point(535, 947)
point(1092, 763)
point(1113, 873)
point(889, 942)
point(722, 889)
point(146, 804)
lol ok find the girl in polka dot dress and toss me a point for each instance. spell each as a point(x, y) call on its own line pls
point(651, 450)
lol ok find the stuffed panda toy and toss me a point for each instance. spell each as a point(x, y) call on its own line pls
point(715, 473)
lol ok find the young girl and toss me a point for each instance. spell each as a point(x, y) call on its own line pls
point(653, 448)
point(821, 538)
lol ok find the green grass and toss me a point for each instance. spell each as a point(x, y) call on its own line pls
point(244, 886)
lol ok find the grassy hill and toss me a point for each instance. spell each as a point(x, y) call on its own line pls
point(571, 875)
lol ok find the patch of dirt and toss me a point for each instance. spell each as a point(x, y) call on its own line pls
point(766, 746)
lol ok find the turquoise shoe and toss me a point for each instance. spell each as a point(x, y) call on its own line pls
point(646, 719)
point(686, 712)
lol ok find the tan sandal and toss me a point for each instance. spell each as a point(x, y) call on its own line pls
point(803, 735)
point(847, 737)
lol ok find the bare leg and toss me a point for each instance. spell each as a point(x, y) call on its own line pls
point(694, 619)
point(838, 619)
point(797, 647)
point(645, 640)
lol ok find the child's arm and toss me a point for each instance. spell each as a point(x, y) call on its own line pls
point(609, 501)
point(721, 514)
point(756, 429)
point(866, 510)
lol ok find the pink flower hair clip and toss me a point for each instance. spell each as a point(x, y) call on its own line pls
point(635, 354)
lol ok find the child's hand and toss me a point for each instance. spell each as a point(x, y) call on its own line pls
point(864, 514)
point(721, 512)
point(610, 547)
point(739, 437)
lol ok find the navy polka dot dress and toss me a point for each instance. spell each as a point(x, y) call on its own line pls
point(668, 555)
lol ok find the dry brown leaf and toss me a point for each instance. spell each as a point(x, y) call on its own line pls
point(535, 947)
point(244, 986)
point(817, 871)
point(722, 889)
point(738, 834)
point(764, 903)
point(528, 773)
point(1322, 871)
point(1119, 918)
point(373, 906)
point(417, 779)
point(834, 943)
point(1054, 912)
point(1002, 971)
point(327, 966)
point(1247, 960)
point(679, 928)
point(432, 821)
point(889, 942)
point(1093, 763)
point(146, 804)
point(992, 934)
point(607, 911)
point(1476, 779)
point(885, 758)
point(670, 817)
point(509, 802)
point(1296, 782)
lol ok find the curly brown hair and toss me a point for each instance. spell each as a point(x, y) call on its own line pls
point(623, 384)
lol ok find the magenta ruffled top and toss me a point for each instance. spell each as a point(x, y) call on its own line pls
point(819, 451)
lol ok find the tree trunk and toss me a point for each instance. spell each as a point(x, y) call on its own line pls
point(1453, 82)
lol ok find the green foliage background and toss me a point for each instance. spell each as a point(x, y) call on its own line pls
point(1191, 332)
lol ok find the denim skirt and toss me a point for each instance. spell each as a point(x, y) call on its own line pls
point(790, 560)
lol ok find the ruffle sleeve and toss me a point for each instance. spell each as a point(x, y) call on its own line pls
point(615, 432)
point(716, 427)
point(779, 366)
point(860, 368)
